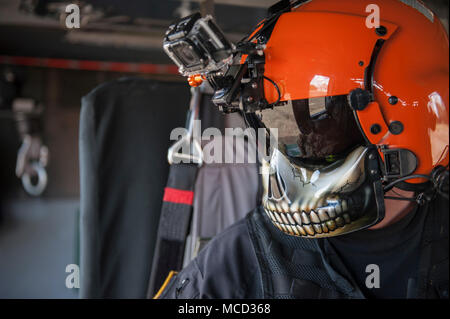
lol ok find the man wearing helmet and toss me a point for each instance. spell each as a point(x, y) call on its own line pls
point(355, 201)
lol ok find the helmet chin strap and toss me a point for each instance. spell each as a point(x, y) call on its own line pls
point(439, 179)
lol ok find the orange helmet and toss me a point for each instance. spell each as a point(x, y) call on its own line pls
point(342, 74)
point(397, 75)
point(360, 104)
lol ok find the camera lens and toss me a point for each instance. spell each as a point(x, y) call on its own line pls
point(186, 54)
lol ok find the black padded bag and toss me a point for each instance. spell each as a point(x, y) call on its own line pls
point(125, 130)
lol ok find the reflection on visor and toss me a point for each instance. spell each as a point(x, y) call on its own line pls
point(317, 107)
point(281, 118)
point(316, 128)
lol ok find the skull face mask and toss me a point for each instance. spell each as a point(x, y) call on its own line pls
point(320, 180)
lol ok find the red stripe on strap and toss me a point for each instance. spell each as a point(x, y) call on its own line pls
point(178, 196)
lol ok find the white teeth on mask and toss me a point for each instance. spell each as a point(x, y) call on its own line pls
point(285, 220)
point(324, 219)
point(309, 229)
point(278, 208)
point(291, 220)
point(278, 218)
point(331, 225)
point(296, 232)
point(314, 217)
point(298, 219)
point(317, 228)
point(285, 207)
point(289, 228)
point(301, 230)
point(272, 216)
point(294, 208)
point(303, 208)
point(323, 216)
point(271, 206)
point(324, 227)
point(305, 218)
point(331, 212)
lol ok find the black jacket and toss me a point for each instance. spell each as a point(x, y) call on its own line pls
point(253, 259)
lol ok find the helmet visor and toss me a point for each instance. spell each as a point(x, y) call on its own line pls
point(318, 128)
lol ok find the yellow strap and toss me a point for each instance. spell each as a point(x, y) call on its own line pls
point(164, 285)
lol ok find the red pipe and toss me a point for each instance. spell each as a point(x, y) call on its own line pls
point(125, 67)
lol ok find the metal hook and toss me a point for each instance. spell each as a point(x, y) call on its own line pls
point(35, 189)
point(32, 158)
point(175, 153)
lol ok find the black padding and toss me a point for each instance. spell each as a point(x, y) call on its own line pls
point(173, 227)
point(163, 266)
point(125, 130)
point(182, 176)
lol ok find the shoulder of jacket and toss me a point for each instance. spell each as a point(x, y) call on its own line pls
point(222, 269)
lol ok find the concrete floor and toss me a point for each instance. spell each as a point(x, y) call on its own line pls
point(38, 239)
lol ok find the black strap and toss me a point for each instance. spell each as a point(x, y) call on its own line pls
point(290, 287)
point(433, 267)
point(174, 224)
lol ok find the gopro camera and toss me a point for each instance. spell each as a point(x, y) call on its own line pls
point(197, 45)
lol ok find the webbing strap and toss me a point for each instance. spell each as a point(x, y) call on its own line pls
point(433, 267)
point(290, 287)
point(174, 224)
